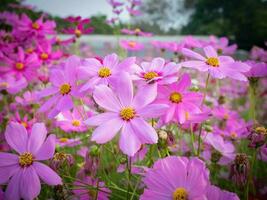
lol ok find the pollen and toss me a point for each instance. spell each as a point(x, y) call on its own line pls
point(132, 44)
point(25, 159)
point(150, 75)
point(127, 113)
point(78, 33)
point(76, 122)
point(35, 26)
point(65, 89)
point(137, 30)
point(44, 56)
point(19, 66)
point(212, 61)
point(4, 84)
point(63, 140)
point(29, 50)
point(180, 194)
point(24, 124)
point(176, 97)
point(104, 72)
point(59, 156)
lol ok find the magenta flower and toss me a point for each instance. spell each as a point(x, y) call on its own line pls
point(136, 32)
point(217, 66)
point(84, 192)
point(215, 193)
point(258, 69)
point(72, 121)
point(126, 113)
point(63, 88)
point(222, 45)
point(46, 53)
point(79, 28)
point(176, 178)
point(157, 71)
point(224, 151)
point(12, 85)
point(69, 142)
point(131, 45)
point(103, 72)
point(37, 28)
point(21, 65)
point(182, 103)
point(24, 169)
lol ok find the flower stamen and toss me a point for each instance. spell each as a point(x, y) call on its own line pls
point(25, 159)
point(150, 75)
point(180, 194)
point(104, 72)
point(65, 89)
point(127, 113)
point(19, 66)
point(213, 61)
point(76, 122)
point(176, 97)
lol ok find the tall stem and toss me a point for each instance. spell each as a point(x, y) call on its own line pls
point(252, 99)
point(129, 167)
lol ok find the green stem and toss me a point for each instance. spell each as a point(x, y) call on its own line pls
point(250, 178)
point(129, 167)
point(199, 140)
point(252, 99)
point(192, 139)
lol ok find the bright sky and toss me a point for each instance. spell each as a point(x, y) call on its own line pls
point(84, 8)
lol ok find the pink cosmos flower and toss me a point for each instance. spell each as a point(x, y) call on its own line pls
point(69, 142)
point(125, 112)
point(115, 3)
point(27, 98)
point(23, 121)
point(84, 192)
point(258, 69)
point(225, 151)
point(162, 46)
point(63, 88)
point(215, 193)
point(24, 169)
point(12, 85)
point(191, 42)
point(182, 103)
point(72, 121)
point(217, 66)
point(21, 65)
point(137, 32)
point(157, 71)
point(46, 53)
point(222, 45)
point(103, 72)
point(131, 45)
point(258, 54)
point(79, 28)
point(176, 178)
point(37, 28)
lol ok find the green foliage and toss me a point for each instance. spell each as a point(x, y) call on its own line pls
point(245, 20)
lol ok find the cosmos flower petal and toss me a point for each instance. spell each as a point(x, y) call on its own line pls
point(183, 83)
point(107, 130)
point(129, 142)
point(100, 119)
point(145, 95)
point(210, 52)
point(145, 132)
point(7, 159)
point(17, 137)
point(30, 185)
point(47, 174)
point(13, 189)
point(47, 150)
point(105, 97)
point(110, 60)
point(191, 54)
point(153, 110)
point(7, 171)
point(37, 137)
point(65, 103)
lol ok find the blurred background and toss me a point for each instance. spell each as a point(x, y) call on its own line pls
point(243, 21)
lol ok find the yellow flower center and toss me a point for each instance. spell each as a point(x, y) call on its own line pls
point(19, 66)
point(24, 124)
point(132, 44)
point(233, 135)
point(25, 159)
point(63, 140)
point(150, 75)
point(137, 30)
point(78, 33)
point(187, 115)
point(65, 88)
point(127, 113)
point(35, 26)
point(59, 156)
point(44, 56)
point(180, 194)
point(4, 84)
point(104, 72)
point(176, 97)
point(261, 130)
point(92, 193)
point(76, 123)
point(29, 50)
point(212, 61)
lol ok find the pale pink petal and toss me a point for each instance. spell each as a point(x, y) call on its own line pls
point(129, 142)
point(57, 77)
point(191, 54)
point(49, 103)
point(7, 171)
point(65, 103)
point(210, 52)
point(37, 137)
point(107, 131)
point(47, 150)
point(30, 186)
point(100, 119)
point(105, 98)
point(47, 92)
point(145, 96)
point(47, 174)
point(111, 60)
point(17, 137)
point(145, 132)
point(170, 113)
point(153, 110)
point(183, 83)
